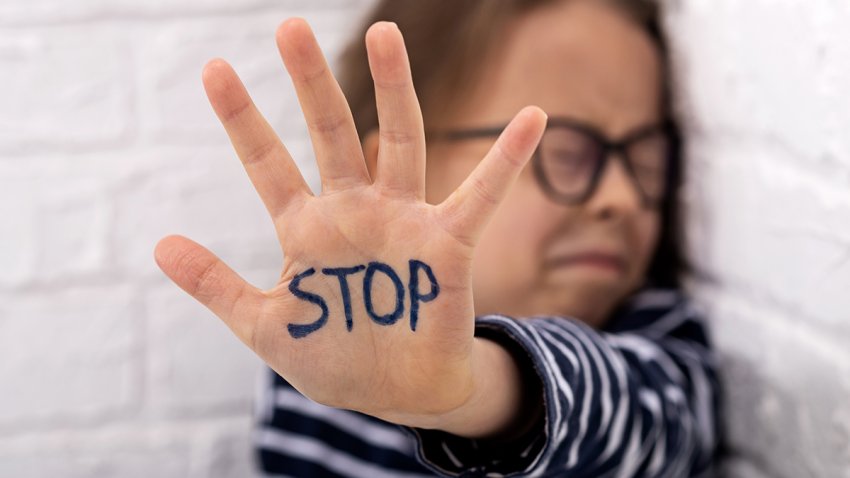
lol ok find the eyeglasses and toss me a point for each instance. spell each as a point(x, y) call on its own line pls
point(571, 157)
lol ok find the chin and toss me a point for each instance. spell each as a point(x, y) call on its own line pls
point(588, 301)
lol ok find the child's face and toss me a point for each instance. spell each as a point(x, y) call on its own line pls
point(576, 58)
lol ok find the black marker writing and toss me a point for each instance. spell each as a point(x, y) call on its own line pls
point(415, 296)
point(392, 317)
point(342, 273)
point(302, 330)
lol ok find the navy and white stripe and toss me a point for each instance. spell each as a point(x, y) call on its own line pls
point(638, 398)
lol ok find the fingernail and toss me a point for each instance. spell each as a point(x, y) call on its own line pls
point(545, 115)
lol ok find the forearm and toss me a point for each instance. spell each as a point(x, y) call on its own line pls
point(607, 400)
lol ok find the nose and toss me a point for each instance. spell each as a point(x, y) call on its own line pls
point(617, 193)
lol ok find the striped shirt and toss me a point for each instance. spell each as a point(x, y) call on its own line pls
point(636, 398)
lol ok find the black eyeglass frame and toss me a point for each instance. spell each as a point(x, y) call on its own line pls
point(620, 146)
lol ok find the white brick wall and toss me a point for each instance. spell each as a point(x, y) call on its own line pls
point(107, 143)
point(763, 86)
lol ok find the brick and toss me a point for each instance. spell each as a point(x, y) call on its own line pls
point(760, 72)
point(39, 12)
point(178, 449)
point(69, 354)
point(72, 230)
point(58, 210)
point(759, 214)
point(228, 451)
point(68, 89)
point(203, 194)
point(836, 77)
point(195, 364)
point(784, 404)
point(18, 253)
point(176, 52)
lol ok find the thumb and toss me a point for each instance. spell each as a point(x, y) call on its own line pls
point(211, 282)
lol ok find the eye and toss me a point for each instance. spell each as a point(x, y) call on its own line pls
point(649, 157)
point(565, 149)
point(569, 155)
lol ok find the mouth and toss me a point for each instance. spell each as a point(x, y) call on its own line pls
point(599, 260)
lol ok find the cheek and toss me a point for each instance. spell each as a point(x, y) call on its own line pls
point(648, 230)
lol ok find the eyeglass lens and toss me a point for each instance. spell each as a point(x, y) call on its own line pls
point(569, 158)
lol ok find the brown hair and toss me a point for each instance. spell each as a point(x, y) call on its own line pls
point(447, 42)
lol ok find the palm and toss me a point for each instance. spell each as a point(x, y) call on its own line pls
point(347, 324)
point(352, 229)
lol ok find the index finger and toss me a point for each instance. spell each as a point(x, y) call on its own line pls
point(401, 154)
point(267, 162)
point(468, 209)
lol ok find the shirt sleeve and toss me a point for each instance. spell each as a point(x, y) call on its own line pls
point(636, 402)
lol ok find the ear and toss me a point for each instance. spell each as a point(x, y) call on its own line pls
point(370, 151)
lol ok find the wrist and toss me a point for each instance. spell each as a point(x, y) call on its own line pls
point(496, 395)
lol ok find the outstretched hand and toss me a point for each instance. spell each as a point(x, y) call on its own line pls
point(373, 310)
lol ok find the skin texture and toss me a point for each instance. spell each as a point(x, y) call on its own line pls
point(577, 58)
point(383, 370)
point(583, 59)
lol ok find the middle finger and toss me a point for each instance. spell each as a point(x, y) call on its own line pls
point(332, 131)
point(401, 150)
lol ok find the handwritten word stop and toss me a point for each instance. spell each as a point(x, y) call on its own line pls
point(369, 270)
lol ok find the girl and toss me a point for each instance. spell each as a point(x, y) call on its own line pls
point(433, 331)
